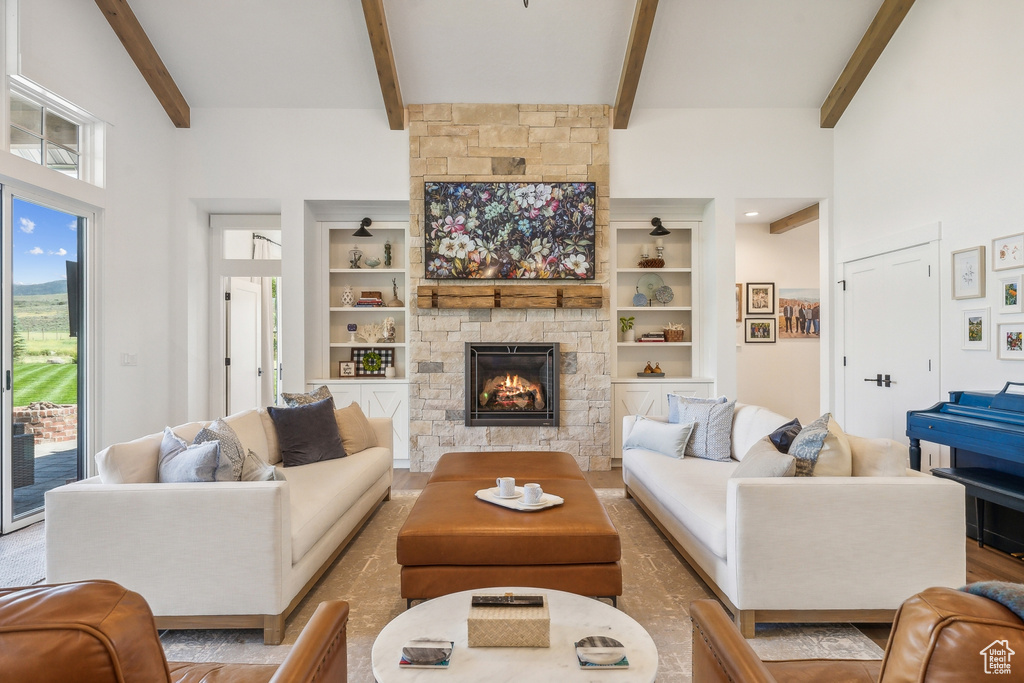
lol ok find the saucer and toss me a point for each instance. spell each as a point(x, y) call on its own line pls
point(495, 490)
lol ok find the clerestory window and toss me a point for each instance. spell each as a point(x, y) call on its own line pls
point(44, 136)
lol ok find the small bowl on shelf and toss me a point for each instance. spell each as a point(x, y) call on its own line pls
point(372, 262)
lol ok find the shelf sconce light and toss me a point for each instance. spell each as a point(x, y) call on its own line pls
point(659, 229)
point(362, 231)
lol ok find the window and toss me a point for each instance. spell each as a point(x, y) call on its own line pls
point(43, 136)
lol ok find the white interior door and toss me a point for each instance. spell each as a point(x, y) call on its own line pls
point(244, 347)
point(891, 329)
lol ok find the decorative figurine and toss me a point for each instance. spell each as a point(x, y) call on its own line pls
point(657, 367)
point(648, 369)
point(347, 298)
point(352, 327)
point(395, 302)
point(387, 254)
point(389, 329)
point(353, 258)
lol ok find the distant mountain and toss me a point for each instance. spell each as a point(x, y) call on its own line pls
point(55, 287)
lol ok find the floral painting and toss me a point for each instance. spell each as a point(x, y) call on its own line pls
point(508, 231)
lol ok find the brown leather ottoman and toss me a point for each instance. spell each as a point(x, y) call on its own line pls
point(452, 541)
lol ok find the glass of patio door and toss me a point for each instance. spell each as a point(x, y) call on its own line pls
point(43, 321)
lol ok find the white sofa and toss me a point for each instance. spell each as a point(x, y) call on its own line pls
point(801, 549)
point(225, 554)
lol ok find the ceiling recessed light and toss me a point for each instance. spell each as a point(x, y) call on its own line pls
point(750, 214)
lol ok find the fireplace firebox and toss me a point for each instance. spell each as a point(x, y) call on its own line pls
point(512, 384)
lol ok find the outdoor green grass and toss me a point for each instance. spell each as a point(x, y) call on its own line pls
point(45, 382)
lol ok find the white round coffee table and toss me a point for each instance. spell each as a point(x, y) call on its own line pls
point(572, 617)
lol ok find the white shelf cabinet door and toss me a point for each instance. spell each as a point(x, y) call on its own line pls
point(390, 400)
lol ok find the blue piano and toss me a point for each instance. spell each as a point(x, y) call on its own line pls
point(985, 434)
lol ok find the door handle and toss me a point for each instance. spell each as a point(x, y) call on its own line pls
point(877, 379)
point(888, 382)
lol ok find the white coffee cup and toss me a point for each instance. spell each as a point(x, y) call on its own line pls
point(506, 486)
point(532, 493)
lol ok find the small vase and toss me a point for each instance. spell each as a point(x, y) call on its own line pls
point(629, 335)
point(346, 296)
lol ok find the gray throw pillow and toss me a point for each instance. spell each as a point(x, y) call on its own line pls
point(764, 460)
point(318, 394)
point(182, 463)
point(712, 433)
point(308, 433)
point(255, 469)
point(651, 435)
point(232, 455)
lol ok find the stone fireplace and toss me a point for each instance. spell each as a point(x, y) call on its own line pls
point(512, 384)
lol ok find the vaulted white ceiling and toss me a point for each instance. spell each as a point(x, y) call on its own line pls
point(316, 53)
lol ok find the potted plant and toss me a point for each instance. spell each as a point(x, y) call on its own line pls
point(626, 325)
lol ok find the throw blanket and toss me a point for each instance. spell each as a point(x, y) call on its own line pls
point(1010, 595)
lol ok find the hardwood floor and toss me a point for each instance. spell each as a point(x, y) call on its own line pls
point(983, 564)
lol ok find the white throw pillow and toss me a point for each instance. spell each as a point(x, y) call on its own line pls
point(660, 437)
point(878, 457)
point(765, 460)
point(132, 462)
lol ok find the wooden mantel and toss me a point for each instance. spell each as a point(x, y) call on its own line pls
point(509, 296)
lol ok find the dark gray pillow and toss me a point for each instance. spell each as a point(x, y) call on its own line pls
point(318, 394)
point(181, 463)
point(784, 435)
point(307, 434)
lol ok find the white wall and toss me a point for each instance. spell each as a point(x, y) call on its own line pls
point(783, 376)
point(935, 135)
point(722, 155)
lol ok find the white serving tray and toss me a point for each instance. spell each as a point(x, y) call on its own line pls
point(548, 500)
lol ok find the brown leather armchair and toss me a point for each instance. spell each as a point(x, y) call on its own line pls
point(940, 635)
point(100, 632)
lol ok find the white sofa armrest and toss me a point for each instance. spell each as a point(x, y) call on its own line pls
point(187, 548)
point(843, 542)
point(383, 429)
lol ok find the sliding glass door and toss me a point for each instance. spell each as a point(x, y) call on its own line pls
point(43, 381)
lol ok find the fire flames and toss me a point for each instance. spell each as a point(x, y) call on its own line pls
point(511, 392)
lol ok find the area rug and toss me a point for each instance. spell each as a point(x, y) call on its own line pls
point(657, 590)
point(23, 556)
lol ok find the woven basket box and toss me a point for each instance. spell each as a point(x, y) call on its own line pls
point(510, 626)
point(674, 335)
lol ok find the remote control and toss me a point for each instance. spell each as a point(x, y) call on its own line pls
point(508, 601)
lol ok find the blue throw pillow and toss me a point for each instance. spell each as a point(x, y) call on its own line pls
point(651, 435)
point(181, 463)
point(783, 436)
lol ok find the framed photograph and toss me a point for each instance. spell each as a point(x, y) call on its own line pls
point(1008, 252)
point(739, 302)
point(976, 330)
point(346, 368)
point(1009, 294)
point(799, 314)
point(372, 362)
point(509, 231)
point(969, 273)
point(759, 330)
point(761, 299)
point(1010, 341)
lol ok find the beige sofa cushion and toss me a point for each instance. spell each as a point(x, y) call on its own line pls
point(878, 457)
point(322, 492)
point(355, 430)
point(248, 426)
point(765, 460)
point(270, 432)
point(822, 450)
point(131, 462)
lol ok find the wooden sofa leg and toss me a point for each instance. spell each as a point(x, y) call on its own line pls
point(745, 622)
point(273, 629)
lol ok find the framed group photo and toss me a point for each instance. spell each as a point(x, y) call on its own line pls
point(760, 298)
point(759, 330)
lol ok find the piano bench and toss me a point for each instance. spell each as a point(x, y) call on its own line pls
point(986, 485)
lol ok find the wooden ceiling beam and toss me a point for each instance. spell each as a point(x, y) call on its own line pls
point(794, 220)
point(883, 26)
point(142, 52)
point(384, 57)
point(633, 64)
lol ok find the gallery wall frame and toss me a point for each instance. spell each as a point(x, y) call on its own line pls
point(739, 302)
point(1010, 341)
point(760, 298)
point(976, 331)
point(1008, 252)
point(1009, 294)
point(759, 330)
point(968, 273)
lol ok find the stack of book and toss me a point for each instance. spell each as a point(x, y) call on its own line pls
point(369, 302)
point(651, 337)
